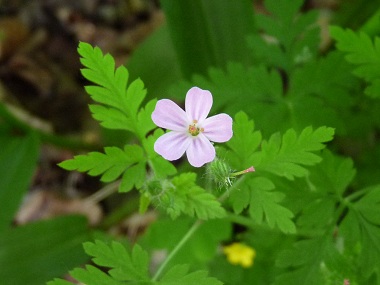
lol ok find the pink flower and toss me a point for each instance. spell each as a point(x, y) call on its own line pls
point(191, 131)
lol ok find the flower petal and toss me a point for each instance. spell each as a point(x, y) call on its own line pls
point(172, 145)
point(218, 128)
point(198, 104)
point(169, 115)
point(200, 151)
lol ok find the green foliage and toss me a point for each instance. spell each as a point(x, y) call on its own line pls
point(114, 162)
point(361, 230)
point(361, 51)
point(304, 195)
point(119, 108)
point(49, 247)
point(295, 36)
point(15, 154)
point(130, 267)
point(118, 105)
point(287, 155)
point(183, 196)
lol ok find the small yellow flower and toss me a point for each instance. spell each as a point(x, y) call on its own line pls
point(238, 253)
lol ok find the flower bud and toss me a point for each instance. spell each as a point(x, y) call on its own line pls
point(222, 174)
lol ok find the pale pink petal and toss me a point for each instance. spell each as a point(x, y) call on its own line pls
point(169, 115)
point(198, 104)
point(218, 128)
point(172, 145)
point(200, 151)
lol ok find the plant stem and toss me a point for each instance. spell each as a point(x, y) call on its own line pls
point(357, 194)
point(232, 188)
point(184, 239)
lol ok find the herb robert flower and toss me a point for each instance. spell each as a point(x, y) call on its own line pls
point(191, 131)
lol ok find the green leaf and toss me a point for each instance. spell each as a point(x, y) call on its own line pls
point(333, 175)
point(194, 200)
point(369, 205)
point(296, 35)
point(244, 142)
point(206, 33)
point(93, 276)
point(110, 164)
point(18, 159)
point(364, 53)
point(286, 156)
point(326, 99)
point(264, 205)
point(124, 266)
point(119, 103)
point(179, 274)
point(303, 262)
point(48, 247)
point(183, 195)
point(361, 229)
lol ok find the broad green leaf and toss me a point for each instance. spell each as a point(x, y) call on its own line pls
point(50, 247)
point(18, 159)
point(206, 33)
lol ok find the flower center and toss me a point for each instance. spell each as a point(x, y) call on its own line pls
point(194, 130)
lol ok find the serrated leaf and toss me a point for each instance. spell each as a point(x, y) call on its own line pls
point(361, 51)
point(286, 156)
point(110, 164)
point(296, 37)
point(93, 276)
point(179, 275)
point(133, 176)
point(244, 142)
point(184, 196)
point(144, 118)
point(124, 266)
point(304, 262)
point(264, 206)
point(369, 205)
point(120, 102)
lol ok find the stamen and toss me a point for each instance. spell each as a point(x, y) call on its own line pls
point(194, 130)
